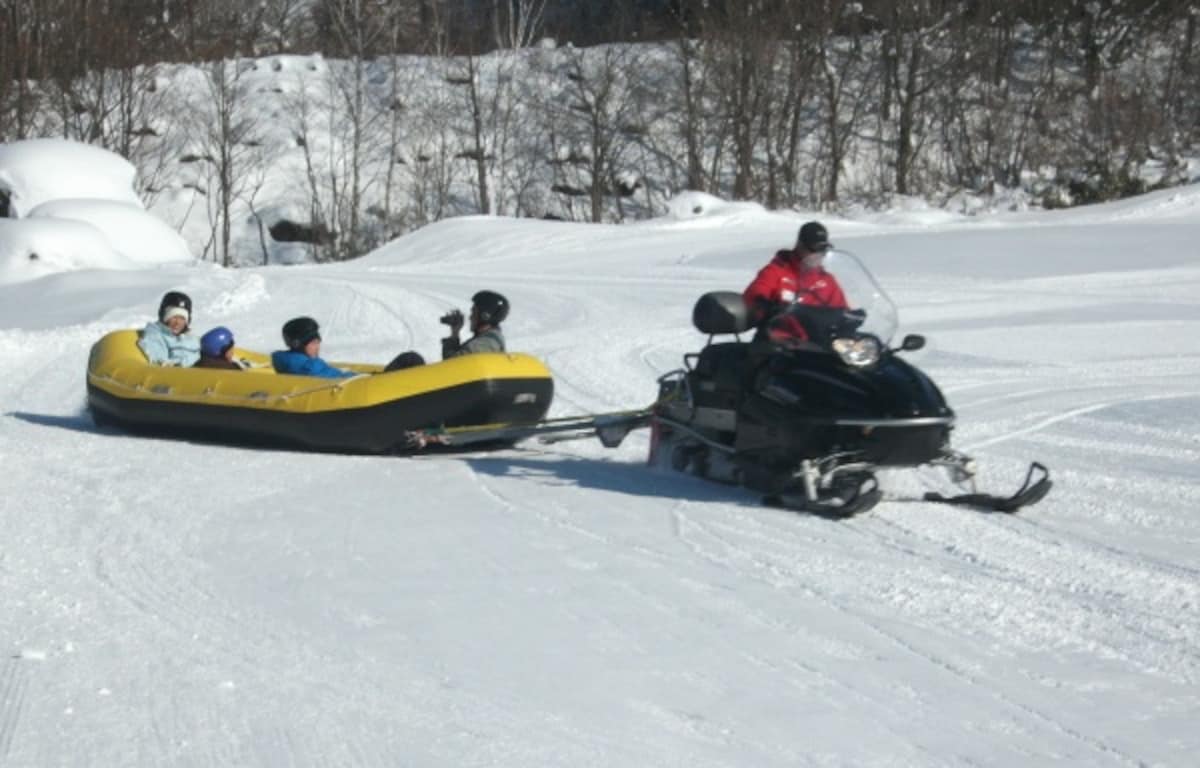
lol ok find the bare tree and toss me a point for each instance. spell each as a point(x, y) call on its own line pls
point(359, 121)
point(478, 149)
point(229, 145)
point(431, 168)
point(353, 26)
point(691, 126)
point(1111, 118)
point(397, 110)
point(915, 61)
point(596, 114)
point(844, 72)
point(287, 26)
point(991, 114)
point(489, 89)
point(1181, 86)
point(28, 39)
point(304, 114)
point(517, 23)
point(689, 143)
point(744, 49)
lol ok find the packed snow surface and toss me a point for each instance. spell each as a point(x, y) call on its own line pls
point(176, 603)
point(31, 248)
point(72, 207)
point(128, 228)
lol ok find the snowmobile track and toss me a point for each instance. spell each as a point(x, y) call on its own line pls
point(14, 684)
point(1153, 623)
point(759, 565)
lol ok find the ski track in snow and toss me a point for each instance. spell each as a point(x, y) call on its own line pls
point(750, 560)
point(137, 559)
point(559, 516)
point(1088, 594)
point(779, 573)
point(14, 687)
point(1158, 617)
point(1086, 597)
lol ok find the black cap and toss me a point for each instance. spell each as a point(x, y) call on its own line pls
point(175, 299)
point(814, 237)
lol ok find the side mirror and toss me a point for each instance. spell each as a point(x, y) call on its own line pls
point(912, 342)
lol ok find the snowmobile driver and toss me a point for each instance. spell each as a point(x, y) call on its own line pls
point(488, 310)
point(793, 277)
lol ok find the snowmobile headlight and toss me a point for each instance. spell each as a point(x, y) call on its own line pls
point(859, 352)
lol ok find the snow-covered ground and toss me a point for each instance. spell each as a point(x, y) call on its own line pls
point(72, 206)
point(173, 603)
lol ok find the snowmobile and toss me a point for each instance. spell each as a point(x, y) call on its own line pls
point(807, 417)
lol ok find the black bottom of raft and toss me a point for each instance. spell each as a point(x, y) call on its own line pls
point(379, 428)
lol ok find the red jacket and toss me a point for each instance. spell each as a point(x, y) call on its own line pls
point(782, 282)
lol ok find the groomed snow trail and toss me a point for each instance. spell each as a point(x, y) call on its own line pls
point(169, 602)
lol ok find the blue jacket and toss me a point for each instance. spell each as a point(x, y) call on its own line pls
point(300, 364)
point(165, 348)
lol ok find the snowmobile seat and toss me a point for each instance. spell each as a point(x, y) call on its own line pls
point(721, 312)
point(717, 379)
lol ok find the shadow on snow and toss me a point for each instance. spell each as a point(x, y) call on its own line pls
point(618, 477)
point(80, 422)
point(631, 479)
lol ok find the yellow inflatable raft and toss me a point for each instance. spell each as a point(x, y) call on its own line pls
point(372, 412)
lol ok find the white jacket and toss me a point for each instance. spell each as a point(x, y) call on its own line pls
point(165, 348)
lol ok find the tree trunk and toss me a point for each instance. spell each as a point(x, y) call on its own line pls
point(691, 119)
point(743, 136)
point(477, 130)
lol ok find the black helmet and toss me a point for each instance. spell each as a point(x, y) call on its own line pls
point(491, 307)
point(298, 331)
point(814, 237)
point(176, 299)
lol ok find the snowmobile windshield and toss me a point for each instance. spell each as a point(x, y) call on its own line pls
point(863, 293)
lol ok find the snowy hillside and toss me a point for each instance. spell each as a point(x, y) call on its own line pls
point(175, 603)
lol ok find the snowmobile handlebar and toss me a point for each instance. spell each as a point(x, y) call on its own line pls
point(821, 325)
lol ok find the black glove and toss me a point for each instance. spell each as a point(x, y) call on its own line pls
point(764, 309)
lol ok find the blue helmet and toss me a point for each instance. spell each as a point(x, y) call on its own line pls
point(216, 342)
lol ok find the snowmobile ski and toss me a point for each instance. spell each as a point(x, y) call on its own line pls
point(1030, 492)
point(850, 499)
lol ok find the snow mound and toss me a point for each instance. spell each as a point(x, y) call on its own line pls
point(475, 239)
point(34, 171)
point(906, 211)
point(692, 205)
point(32, 248)
point(1173, 203)
point(250, 290)
point(141, 237)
